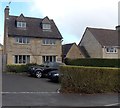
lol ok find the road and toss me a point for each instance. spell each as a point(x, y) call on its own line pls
point(20, 90)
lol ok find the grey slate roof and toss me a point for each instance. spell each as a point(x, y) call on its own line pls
point(105, 37)
point(33, 28)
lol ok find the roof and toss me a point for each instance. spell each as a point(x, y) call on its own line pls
point(105, 37)
point(66, 48)
point(33, 28)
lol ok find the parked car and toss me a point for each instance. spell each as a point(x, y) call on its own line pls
point(42, 70)
point(54, 76)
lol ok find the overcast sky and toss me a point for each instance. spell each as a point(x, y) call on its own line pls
point(71, 16)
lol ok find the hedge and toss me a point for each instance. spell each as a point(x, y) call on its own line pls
point(95, 62)
point(89, 80)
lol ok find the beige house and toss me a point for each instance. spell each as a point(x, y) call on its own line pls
point(31, 40)
point(71, 51)
point(100, 43)
point(1, 49)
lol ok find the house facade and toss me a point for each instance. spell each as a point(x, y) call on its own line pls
point(1, 49)
point(31, 40)
point(100, 43)
point(71, 51)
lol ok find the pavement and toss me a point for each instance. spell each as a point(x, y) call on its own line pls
point(28, 97)
point(57, 99)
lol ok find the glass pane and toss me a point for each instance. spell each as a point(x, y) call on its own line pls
point(28, 59)
point(16, 59)
point(24, 59)
point(20, 40)
point(20, 59)
point(24, 40)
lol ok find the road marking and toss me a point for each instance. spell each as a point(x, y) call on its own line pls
point(28, 92)
point(112, 104)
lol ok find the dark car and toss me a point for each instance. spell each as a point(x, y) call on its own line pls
point(42, 70)
point(54, 76)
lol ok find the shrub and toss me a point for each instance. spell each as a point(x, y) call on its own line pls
point(77, 79)
point(95, 62)
point(17, 68)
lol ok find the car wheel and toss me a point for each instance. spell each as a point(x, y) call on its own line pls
point(38, 74)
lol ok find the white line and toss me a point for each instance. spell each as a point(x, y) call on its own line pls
point(112, 104)
point(28, 92)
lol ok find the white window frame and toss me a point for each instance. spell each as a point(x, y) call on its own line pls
point(49, 41)
point(21, 24)
point(111, 50)
point(22, 40)
point(21, 59)
point(49, 58)
point(46, 26)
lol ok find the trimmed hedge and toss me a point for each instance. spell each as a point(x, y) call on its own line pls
point(17, 68)
point(89, 80)
point(95, 62)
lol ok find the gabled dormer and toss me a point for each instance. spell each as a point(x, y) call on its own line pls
point(20, 22)
point(46, 25)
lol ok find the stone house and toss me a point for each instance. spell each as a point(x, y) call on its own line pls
point(31, 40)
point(71, 51)
point(100, 43)
point(1, 49)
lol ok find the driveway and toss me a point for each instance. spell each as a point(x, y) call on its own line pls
point(20, 90)
point(23, 83)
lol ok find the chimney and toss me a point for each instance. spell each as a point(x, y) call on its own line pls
point(6, 12)
point(6, 19)
point(118, 28)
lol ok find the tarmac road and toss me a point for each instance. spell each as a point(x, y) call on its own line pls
point(20, 90)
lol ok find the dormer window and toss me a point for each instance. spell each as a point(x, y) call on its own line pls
point(21, 24)
point(46, 26)
point(20, 21)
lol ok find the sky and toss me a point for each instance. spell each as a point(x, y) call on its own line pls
point(71, 16)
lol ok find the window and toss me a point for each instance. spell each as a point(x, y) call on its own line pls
point(49, 41)
point(21, 24)
point(49, 59)
point(22, 59)
point(111, 50)
point(46, 26)
point(22, 40)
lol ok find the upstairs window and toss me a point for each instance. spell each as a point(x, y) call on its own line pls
point(22, 40)
point(46, 27)
point(21, 24)
point(49, 42)
point(111, 50)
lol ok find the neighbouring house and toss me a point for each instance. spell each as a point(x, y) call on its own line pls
point(100, 43)
point(71, 51)
point(31, 40)
point(1, 49)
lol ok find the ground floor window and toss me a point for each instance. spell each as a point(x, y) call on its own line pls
point(111, 50)
point(48, 59)
point(22, 59)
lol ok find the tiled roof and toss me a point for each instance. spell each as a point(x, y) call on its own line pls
point(33, 28)
point(105, 37)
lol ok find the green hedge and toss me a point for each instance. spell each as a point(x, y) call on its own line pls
point(95, 62)
point(89, 80)
point(17, 68)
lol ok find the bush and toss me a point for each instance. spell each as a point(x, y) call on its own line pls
point(95, 62)
point(17, 68)
point(89, 79)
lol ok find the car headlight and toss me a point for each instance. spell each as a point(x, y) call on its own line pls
point(56, 74)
